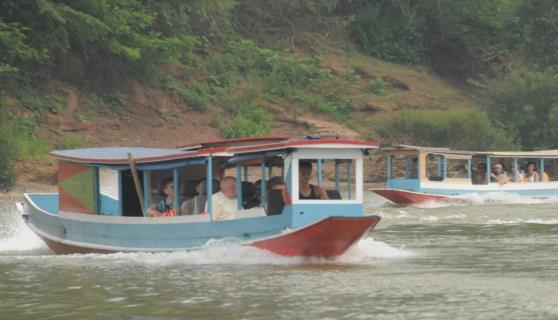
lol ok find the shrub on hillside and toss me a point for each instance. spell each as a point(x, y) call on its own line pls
point(249, 121)
point(526, 104)
point(458, 128)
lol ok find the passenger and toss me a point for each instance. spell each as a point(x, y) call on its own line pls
point(461, 172)
point(306, 190)
point(480, 174)
point(498, 174)
point(193, 206)
point(164, 207)
point(224, 202)
point(413, 171)
point(532, 175)
point(517, 175)
point(276, 183)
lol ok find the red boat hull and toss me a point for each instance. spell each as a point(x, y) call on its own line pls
point(408, 197)
point(327, 238)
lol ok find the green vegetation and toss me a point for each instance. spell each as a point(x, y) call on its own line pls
point(242, 61)
point(458, 128)
point(17, 141)
point(526, 104)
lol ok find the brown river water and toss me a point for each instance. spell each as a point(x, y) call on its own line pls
point(493, 258)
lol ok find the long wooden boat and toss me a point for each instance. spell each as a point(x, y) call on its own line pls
point(104, 196)
point(421, 174)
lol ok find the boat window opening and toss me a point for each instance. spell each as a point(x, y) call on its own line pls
point(109, 195)
point(327, 179)
point(479, 170)
point(130, 202)
point(403, 167)
point(458, 168)
point(262, 185)
point(550, 170)
point(435, 167)
point(544, 169)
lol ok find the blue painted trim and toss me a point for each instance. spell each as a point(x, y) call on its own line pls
point(524, 193)
point(174, 165)
point(176, 194)
point(146, 191)
point(256, 155)
point(238, 186)
point(209, 186)
point(469, 169)
point(404, 184)
point(269, 171)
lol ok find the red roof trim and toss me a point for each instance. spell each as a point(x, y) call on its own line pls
point(235, 140)
point(287, 144)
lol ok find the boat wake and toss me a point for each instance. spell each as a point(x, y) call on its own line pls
point(19, 238)
point(215, 252)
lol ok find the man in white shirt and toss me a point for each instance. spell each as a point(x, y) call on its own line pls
point(224, 202)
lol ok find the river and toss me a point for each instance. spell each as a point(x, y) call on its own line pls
point(495, 259)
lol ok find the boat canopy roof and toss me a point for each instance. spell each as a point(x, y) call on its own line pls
point(263, 146)
point(304, 143)
point(523, 154)
point(401, 148)
point(119, 155)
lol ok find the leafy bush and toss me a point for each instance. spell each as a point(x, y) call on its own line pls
point(252, 121)
point(459, 128)
point(526, 104)
point(195, 95)
point(17, 142)
point(378, 86)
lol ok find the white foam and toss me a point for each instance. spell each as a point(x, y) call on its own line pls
point(368, 248)
point(223, 252)
point(485, 198)
point(523, 221)
point(21, 239)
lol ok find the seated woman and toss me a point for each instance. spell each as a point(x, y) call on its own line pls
point(197, 203)
point(531, 175)
point(306, 190)
point(165, 206)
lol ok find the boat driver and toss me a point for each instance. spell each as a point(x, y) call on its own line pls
point(307, 191)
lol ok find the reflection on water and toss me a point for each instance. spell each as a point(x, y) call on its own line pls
point(493, 260)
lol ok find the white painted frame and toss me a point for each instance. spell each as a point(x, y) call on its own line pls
point(328, 154)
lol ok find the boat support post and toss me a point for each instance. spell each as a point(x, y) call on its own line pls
point(134, 171)
point(262, 184)
point(238, 186)
point(176, 199)
point(337, 181)
point(487, 169)
point(209, 186)
point(319, 172)
point(349, 162)
point(541, 175)
point(147, 189)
